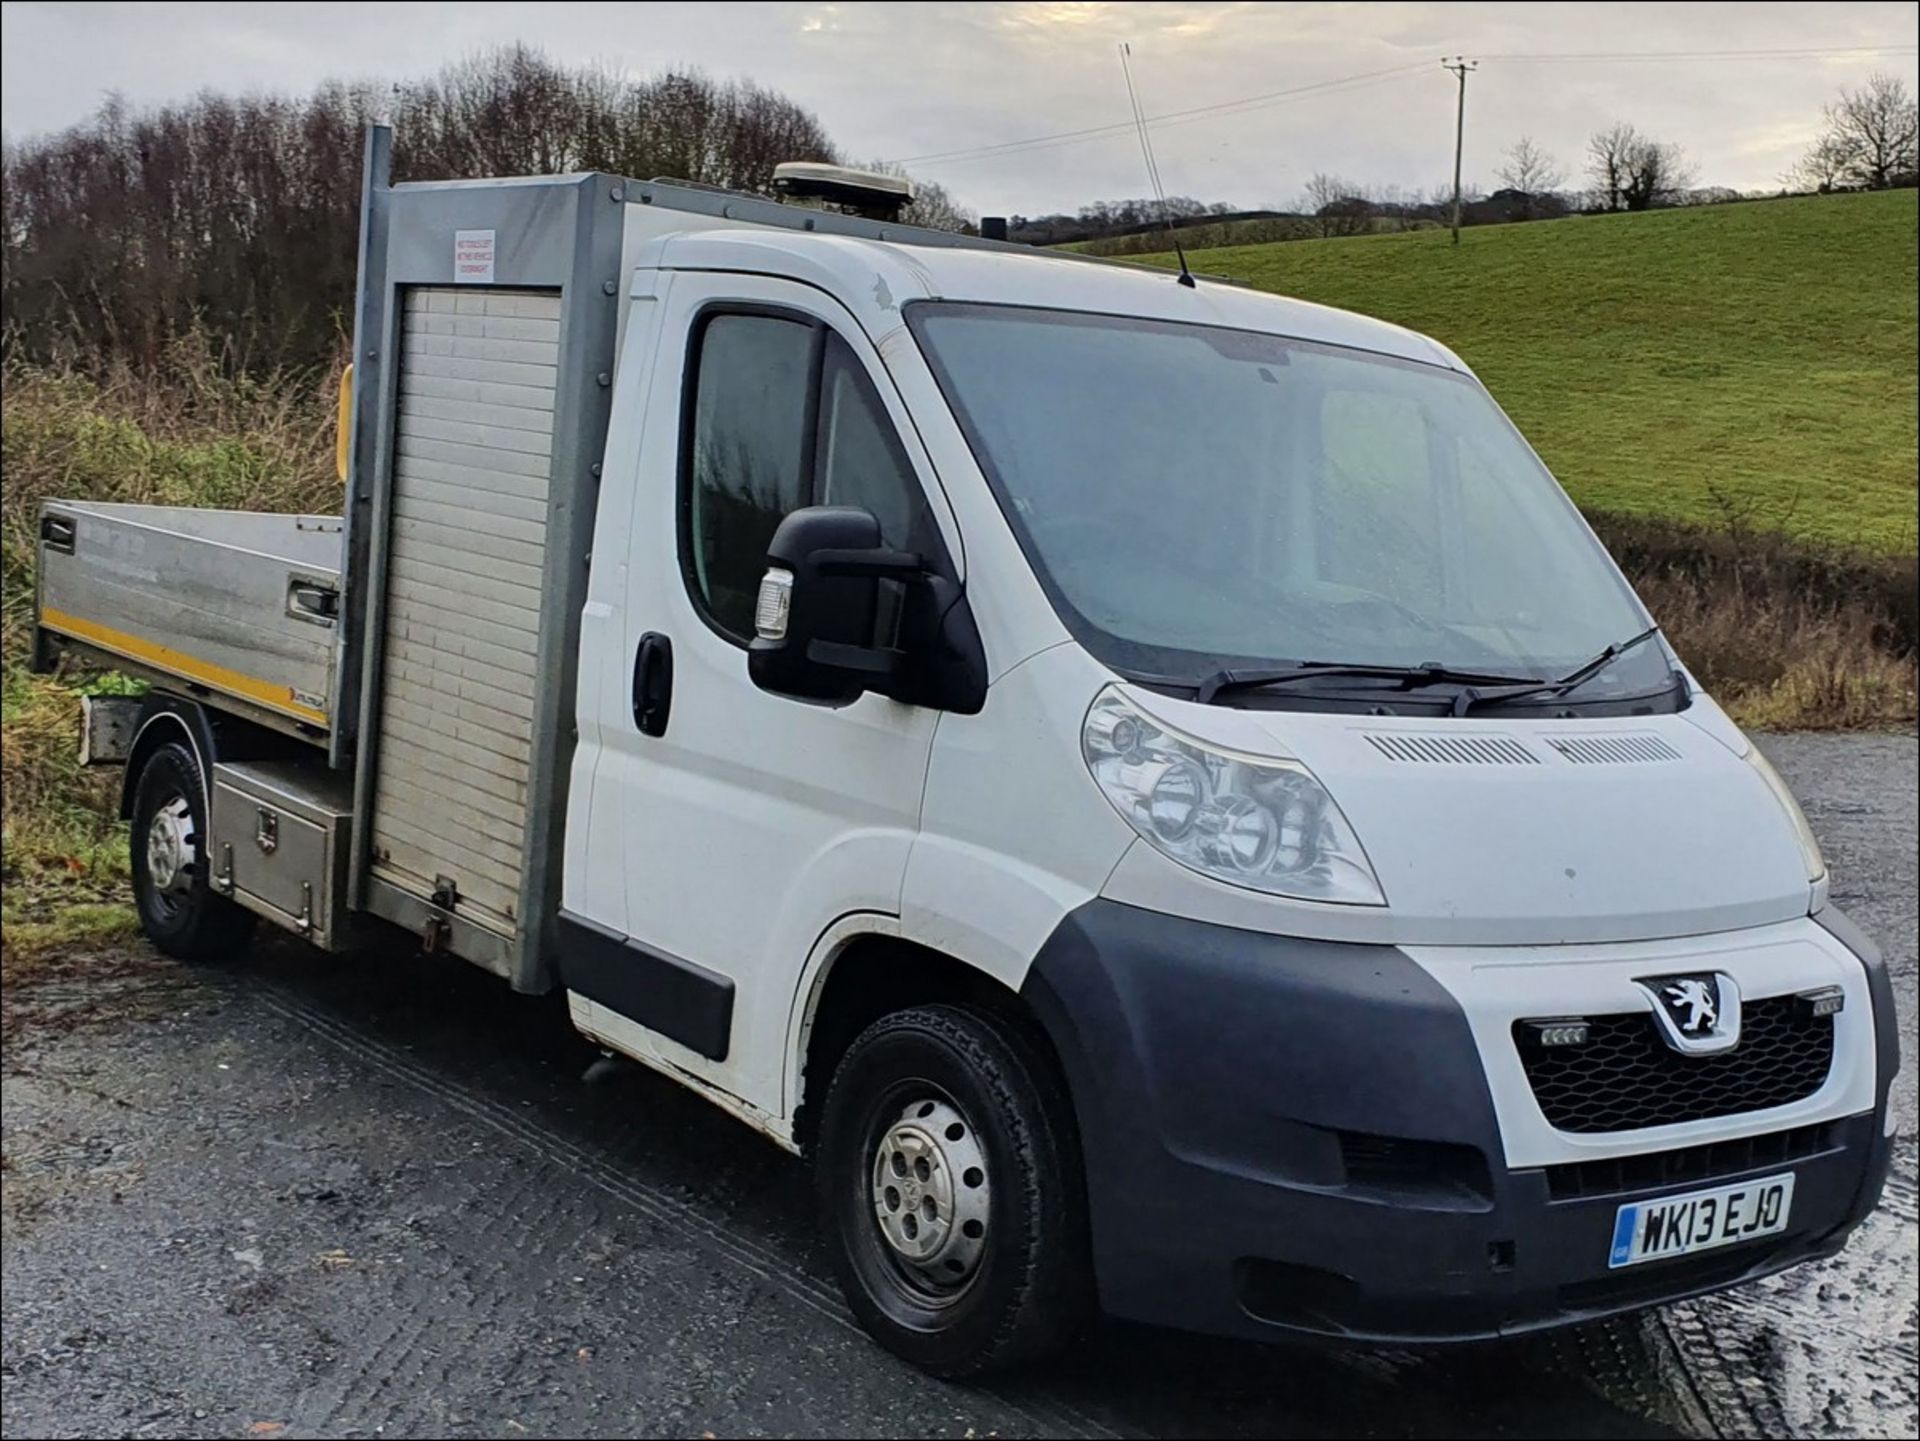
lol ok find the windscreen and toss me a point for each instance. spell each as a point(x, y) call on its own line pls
point(1196, 497)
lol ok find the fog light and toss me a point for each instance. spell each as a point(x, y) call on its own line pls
point(1558, 1033)
point(776, 600)
point(1816, 1005)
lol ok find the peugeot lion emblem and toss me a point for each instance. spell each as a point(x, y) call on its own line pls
point(1698, 1015)
point(1698, 1001)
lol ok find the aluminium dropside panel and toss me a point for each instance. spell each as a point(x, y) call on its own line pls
point(233, 604)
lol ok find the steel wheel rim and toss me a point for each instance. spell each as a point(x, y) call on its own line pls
point(171, 854)
point(931, 1197)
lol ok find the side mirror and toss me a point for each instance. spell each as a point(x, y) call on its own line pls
point(840, 614)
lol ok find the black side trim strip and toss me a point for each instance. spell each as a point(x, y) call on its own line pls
point(680, 1000)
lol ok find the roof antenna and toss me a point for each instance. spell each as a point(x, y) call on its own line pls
point(1153, 169)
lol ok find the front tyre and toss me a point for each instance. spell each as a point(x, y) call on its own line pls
point(169, 846)
point(950, 1185)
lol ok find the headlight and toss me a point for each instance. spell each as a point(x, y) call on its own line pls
point(1263, 823)
point(1809, 846)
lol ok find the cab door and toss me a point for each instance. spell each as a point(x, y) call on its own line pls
point(747, 822)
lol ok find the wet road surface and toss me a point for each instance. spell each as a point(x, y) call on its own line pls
point(322, 1198)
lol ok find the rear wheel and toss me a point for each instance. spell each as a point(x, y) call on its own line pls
point(949, 1181)
point(169, 842)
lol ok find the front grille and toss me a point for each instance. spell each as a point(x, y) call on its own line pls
point(1626, 1077)
point(1582, 1180)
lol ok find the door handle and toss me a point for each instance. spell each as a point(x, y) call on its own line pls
point(312, 602)
point(652, 683)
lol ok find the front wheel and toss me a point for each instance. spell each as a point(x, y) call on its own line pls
point(169, 846)
point(949, 1180)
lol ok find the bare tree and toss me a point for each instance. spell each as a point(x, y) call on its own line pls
point(1822, 168)
point(1608, 159)
point(1631, 171)
point(1657, 174)
point(1535, 176)
point(1529, 169)
point(1397, 208)
point(933, 206)
point(1338, 207)
point(1870, 140)
point(241, 214)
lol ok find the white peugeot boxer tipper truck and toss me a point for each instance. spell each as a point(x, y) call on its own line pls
point(1152, 786)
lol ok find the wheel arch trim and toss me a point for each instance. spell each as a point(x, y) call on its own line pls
point(834, 944)
point(166, 717)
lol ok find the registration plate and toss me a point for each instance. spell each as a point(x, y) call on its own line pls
point(1700, 1220)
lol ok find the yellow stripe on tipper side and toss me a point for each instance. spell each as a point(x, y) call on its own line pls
point(161, 657)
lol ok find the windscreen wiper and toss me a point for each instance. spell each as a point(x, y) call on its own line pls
point(1227, 682)
point(1471, 697)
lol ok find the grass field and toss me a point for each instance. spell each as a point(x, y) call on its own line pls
point(1748, 364)
point(1228, 232)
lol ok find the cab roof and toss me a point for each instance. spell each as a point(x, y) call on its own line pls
point(875, 279)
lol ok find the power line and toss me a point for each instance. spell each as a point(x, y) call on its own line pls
point(1172, 117)
point(1243, 108)
point(1371, 77)
point(1703, 56)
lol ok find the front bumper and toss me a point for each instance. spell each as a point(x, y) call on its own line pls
point(1287, 1136)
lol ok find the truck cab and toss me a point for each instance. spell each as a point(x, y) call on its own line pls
point(1153, 788)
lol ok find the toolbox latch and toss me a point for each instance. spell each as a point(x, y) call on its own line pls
point(438, 929)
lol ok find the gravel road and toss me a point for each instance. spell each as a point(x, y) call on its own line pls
point(313, 1198)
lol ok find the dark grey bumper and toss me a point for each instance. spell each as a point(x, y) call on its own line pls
point(1296, 1136)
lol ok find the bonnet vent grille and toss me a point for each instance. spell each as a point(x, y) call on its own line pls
point(1614, 750)
point(1452, 750)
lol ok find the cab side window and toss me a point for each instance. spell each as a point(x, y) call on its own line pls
point(781, 415)
point(749, 458)
point(860, 459)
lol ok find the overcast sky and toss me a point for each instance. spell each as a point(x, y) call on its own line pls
point(911, 80)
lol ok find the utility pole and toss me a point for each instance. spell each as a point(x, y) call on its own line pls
point(1459, 65)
